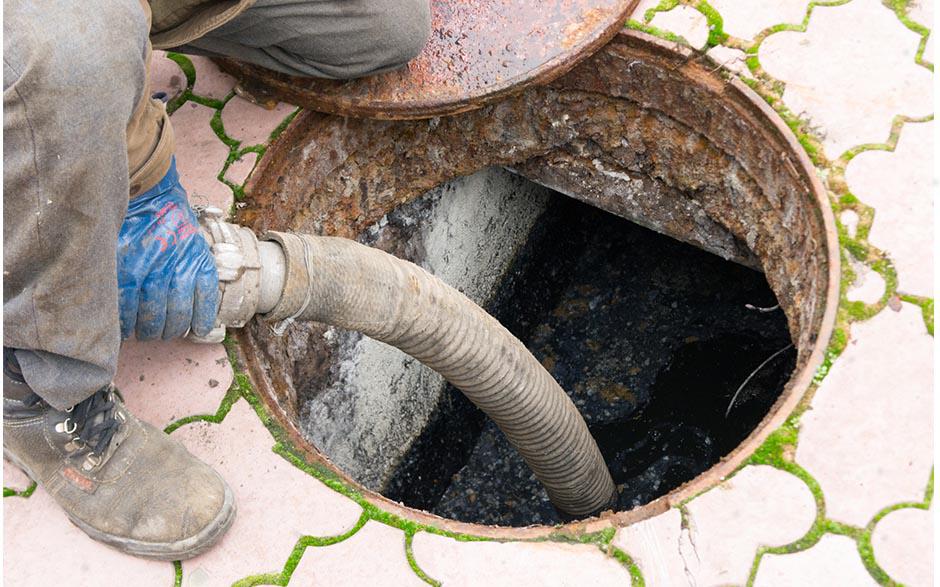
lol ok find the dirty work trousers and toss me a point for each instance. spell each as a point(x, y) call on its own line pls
point(81, 135)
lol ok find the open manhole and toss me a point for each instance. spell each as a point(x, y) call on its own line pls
point(620, 221)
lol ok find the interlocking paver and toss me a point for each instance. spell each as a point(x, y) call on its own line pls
point(760, 506)
point(252, 124)
point(900, 186)
point(659, 547)
point(41, 547)
point(457, 564)
point(684, 21)
point(868, 437)
point(745, 19)
point(731, 59)
point(166, 75)
point(868, 286)
point(241, 168)
point(211, 82)
point(903, 543)
point(277, 503)
point(163, 381)
point(200, 155)
point(834, 561)
point(375, 555)
point(851, 72)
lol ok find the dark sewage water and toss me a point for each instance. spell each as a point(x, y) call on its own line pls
point(649, 336)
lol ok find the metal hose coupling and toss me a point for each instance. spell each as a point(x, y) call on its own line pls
point(286, 277)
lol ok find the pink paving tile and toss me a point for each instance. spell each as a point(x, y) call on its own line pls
point(211, 82)
point(41, 547)
point(375, 555)
point(277, 503)
point(903, 543)
point(252, 124)
point(13, 477)
point(241, 168)
point(200, 156)
point(832, 561)
point(166, 75)
point(164, 381)
point(467, 564)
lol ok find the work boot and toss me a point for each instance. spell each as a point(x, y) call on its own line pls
point(120, 480)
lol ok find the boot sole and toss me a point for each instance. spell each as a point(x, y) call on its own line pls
point(163, 551)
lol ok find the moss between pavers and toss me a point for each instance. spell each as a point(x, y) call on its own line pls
point(901, 8)
point(865, 549)
point(25, 493)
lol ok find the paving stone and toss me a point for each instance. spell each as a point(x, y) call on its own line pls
point(241, 168)
point(903, 543)
point(730, 59)
point(659, 547)
point(166, 75)
point(458, 564)
point(686, 22)
point(745, 19)
point(900, 186)
point(868, 287)
point(869, 435)
point(251, 124)
point(163, 381)
point(277, 502)
point(211, 82)
point(200, 155)
point(834, 560)
point(850, 219)
point(375, 555)
point(41, 547)
point(13, 477)
point(760, 506)
point(850, 87)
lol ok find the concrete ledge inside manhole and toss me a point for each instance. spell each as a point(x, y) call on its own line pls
point(642, 131)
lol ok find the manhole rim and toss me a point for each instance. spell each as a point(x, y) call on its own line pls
point(798, 384)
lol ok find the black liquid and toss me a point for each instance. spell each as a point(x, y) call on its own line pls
point(649, 336)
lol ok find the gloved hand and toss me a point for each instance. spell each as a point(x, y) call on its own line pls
point(166, 273)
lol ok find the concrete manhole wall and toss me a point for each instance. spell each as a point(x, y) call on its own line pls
point(643, 129)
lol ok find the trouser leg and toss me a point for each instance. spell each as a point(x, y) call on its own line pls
point(74, 80)
point(322, 38)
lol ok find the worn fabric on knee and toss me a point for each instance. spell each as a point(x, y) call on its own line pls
point(322, 38)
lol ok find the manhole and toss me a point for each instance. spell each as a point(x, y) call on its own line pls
point(651, 335)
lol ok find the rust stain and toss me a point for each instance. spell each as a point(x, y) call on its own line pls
point(477, 52)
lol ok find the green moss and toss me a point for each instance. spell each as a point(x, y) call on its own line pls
point(636, 576)
point(926, 309)
point(410, 555)
point(656, 32)
point(716, 31)
point(177, 574)
point(900, 8)
point(9, 492)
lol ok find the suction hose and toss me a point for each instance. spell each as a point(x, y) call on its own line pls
point(336, 281)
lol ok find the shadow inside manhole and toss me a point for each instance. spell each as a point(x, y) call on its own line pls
point(650, 337)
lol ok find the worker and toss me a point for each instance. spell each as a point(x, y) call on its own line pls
point(100, 242)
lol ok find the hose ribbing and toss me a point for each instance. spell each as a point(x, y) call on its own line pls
point(346, 284)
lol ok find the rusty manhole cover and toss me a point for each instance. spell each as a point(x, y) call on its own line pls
point(479, 51)
point(644, 130)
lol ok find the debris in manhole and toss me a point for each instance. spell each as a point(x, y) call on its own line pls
point(650, 338)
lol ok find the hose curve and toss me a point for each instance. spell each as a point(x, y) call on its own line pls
point(343, 283)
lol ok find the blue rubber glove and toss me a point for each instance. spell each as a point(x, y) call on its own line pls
point(166, 273)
